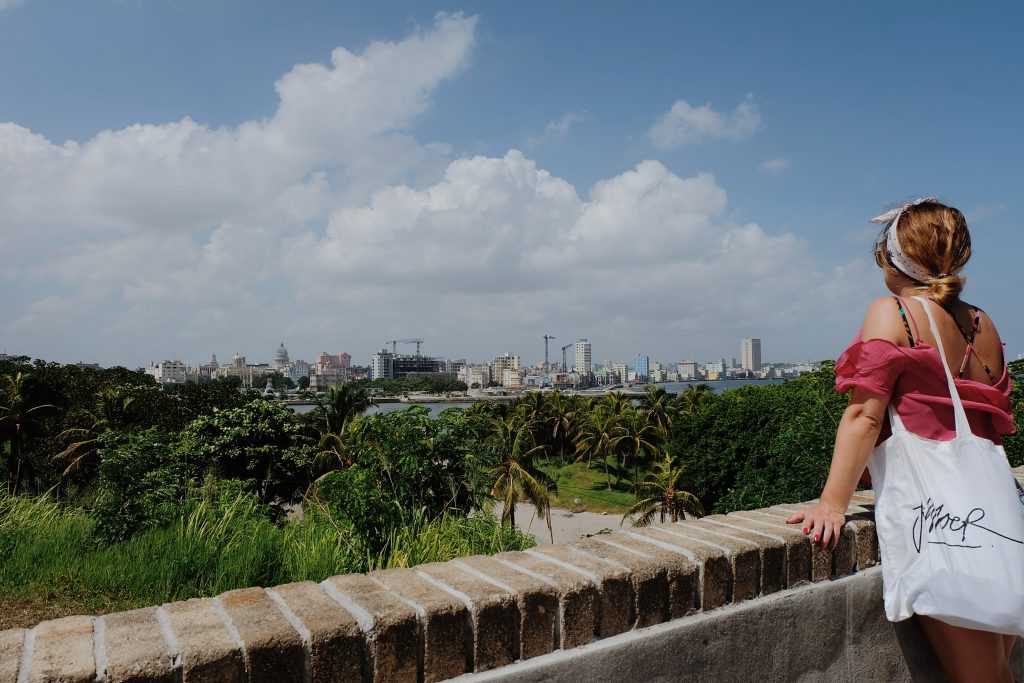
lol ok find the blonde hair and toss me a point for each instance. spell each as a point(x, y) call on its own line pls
point(935, 237)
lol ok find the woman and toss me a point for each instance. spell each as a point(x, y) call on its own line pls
point(921, 251)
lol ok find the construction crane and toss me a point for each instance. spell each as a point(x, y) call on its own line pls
point(546, 338)
point(565, 366)
point(395, 342)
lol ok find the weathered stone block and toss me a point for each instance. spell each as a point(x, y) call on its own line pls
point(493, 611)
point(799, 557)
point(648, 576)
point(682, 574)
point(272, 647)
point(615, 612)
point(444, 623)
point(865, 541)
point(578, 597)
point(536, 602)
point(63, 652)
point(771, 550)
point(713, 565)
point(336, 648)
point(11, 644)
point(136, 648)
point(389, 625)
point(744, 557)
point(843, 556)
point(208, 650)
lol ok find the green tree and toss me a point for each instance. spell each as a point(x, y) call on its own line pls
point(114, 410)
point(264, 444)
point(599, 435)
point(658, 408)
point(639, 439)
point(512, 449)
point(20, 420)
point(661, 493)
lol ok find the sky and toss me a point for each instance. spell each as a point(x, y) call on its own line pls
point(180, 178)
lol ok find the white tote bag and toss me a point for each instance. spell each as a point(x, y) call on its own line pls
point(950, 524)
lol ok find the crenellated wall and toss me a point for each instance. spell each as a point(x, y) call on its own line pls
point(725, 597)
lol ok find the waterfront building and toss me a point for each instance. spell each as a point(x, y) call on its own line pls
point(687, 370)
point(281, 358)
point(583, 365)
point(620, 372)
point(642, 367)
point(504, 362)
point(512, 379)
point(475, 376)
point(168, 372)
point(296, 370)
point(716, 369)
point(750, 353)
point(380, 365)
point(403, 365)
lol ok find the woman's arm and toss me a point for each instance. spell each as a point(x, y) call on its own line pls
point(855, 439)
point(858, 431)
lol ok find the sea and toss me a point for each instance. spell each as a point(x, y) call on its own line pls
point(672, 387)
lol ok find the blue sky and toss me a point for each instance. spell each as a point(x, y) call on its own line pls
point(480, 174)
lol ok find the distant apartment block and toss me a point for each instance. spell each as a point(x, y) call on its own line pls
point(296, 370)
point(687, 370)
point(380, 365)
point(584, 365)
point(502, 363)
point(168, 372)
point(620, 372)
point(642, 367)
point(750, 354)
point(475, 376)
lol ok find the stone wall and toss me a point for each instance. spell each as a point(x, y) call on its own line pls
point(690, 599)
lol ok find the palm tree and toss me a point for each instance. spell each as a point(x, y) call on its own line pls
point(694, 398)
point(561, 422)
point(599, 437)
point(661, 492)
point(18, 421)
point(639, 438)
point(113, 410)
point(532, 410)
point(515, 476)
point(343, 406)
point(656, 404)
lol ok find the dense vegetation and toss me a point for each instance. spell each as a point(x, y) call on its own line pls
point(120, 493)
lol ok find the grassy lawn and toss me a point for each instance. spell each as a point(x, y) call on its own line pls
point(590, 486)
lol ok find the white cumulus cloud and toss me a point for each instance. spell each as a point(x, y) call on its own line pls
point(685, 124)
point(330, 227)
point(774, 166)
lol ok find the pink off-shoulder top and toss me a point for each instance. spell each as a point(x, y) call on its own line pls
point(916, 382)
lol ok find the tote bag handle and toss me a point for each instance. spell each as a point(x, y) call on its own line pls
point(960, 415)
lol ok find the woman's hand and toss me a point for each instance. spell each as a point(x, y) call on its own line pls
point(823, 522)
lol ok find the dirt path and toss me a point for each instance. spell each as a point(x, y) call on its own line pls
point(566, 525)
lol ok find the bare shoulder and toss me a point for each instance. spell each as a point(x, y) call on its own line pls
point(883, 321)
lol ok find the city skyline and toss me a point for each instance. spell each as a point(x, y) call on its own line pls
point(338, 175)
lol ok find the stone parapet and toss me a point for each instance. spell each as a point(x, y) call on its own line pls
point(471, 615)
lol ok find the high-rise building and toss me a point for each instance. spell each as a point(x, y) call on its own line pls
point(687, 369)
point(642, 366)
point(501, 363)
point(750, 353)
point(583, 365)
point(380, 365)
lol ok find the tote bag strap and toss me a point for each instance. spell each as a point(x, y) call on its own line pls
point(962, 425)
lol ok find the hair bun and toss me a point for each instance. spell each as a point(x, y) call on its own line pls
point(945, 288)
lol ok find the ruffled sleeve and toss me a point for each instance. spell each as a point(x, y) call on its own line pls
point(874, 365)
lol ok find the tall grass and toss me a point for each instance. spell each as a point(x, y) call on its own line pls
point(210, 547)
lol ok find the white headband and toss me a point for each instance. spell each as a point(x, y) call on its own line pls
point(903, 263)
